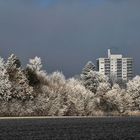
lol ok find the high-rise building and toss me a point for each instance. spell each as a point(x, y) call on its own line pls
point(116, 65)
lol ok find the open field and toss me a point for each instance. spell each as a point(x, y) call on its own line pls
point(70, 128)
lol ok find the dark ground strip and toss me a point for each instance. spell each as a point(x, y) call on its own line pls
point(71, 129)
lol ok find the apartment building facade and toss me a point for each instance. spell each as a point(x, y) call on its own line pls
point(116, 65)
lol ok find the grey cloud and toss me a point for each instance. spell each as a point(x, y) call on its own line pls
point(68, 34)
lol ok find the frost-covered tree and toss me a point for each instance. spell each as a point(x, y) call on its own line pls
point(5, 84)
point(51, 100)
point(133, 89)
point(56, 80)
point(57, 96)
point(115, 100)
point(91, 78)
point(93, 106)
point(88, 67)
point(87, 71)
point(112, 79)
point(12, 64)
point(35, 64)
point(34, 72)
point(63, 98)
point(22, 90)
point(77, 96)
point(33, 92)
point(20, 85)
point(103, 88)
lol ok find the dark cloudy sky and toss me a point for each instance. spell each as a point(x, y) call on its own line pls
point(68, 33)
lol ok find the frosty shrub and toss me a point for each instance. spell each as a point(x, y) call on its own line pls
point(17, 108)
point(4, 108)
point(133, 89)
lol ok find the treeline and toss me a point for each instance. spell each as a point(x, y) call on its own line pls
point(31, 91)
